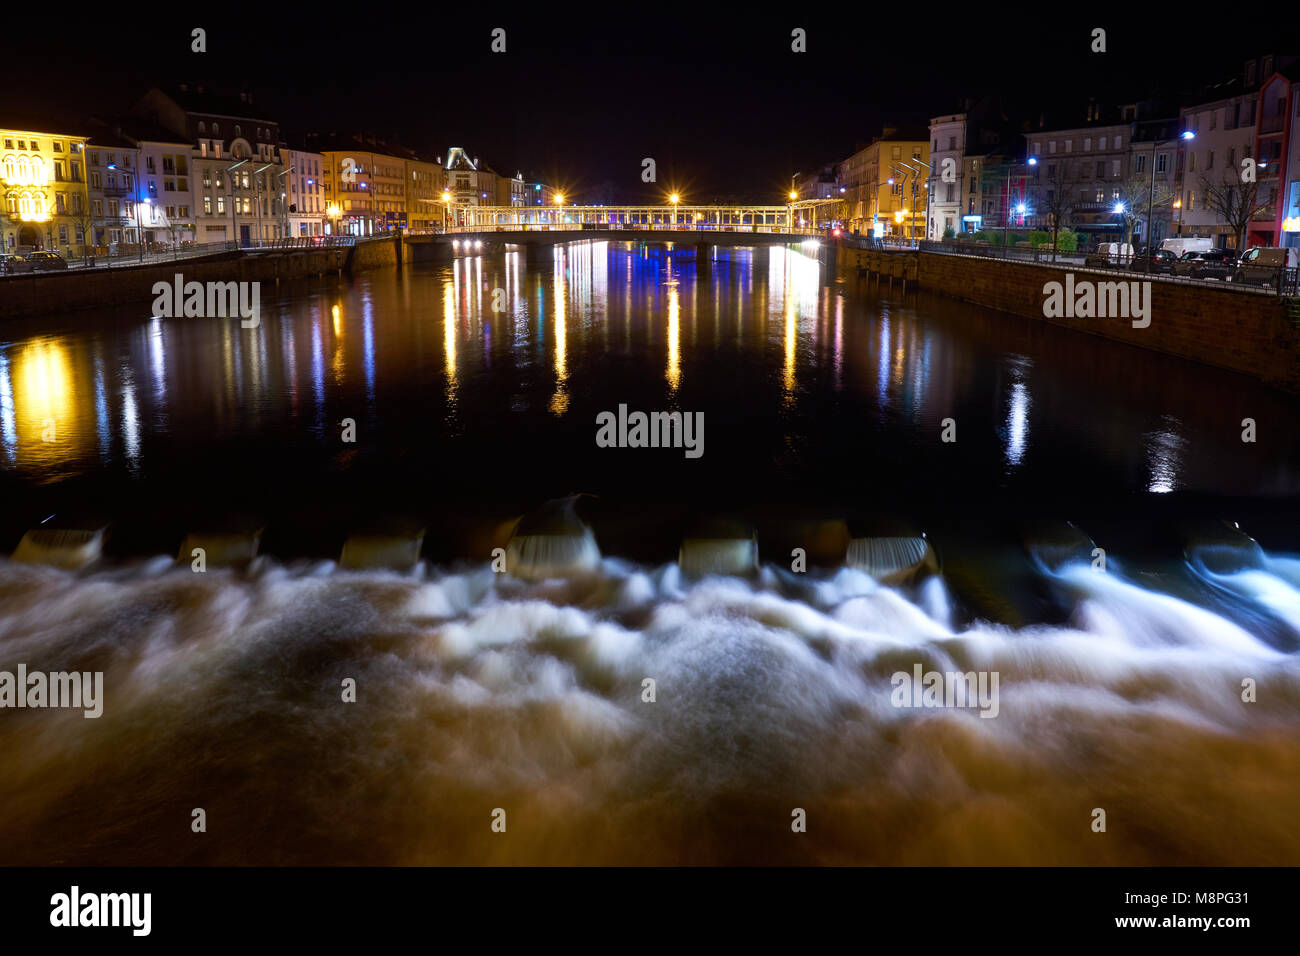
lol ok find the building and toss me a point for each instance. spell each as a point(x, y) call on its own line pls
point(112, 164)
point(235, 170)
point(470, 182)
point(365, 184)
point(1083, 172)
point(885, 184)
point(1278, 106)
point(948, 149)
point(426, 195)
point(1225, 135)
point(44, 202)
point(165, 202)
point(303, 192)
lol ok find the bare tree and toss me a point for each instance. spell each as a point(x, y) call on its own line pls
point(1136, 197)
point(1056, 204)
point(1233, 201)
point(83, 220)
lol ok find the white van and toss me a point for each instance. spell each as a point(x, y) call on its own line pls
point(1110, 255)
point(1180, 245)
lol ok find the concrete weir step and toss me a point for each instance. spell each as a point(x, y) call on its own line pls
point(551, 541)
point(68, 548)
point(1220, 547)
point(221, 548)
point(719, 546)
point(1054, 544)
point(398, 552)
point(892, 559)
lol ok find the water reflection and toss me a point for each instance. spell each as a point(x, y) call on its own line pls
point(1164, 449)
point(759, 342)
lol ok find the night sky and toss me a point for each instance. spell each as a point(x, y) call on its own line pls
point(584, 93)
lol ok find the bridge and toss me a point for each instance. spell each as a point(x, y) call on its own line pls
point(534, 228)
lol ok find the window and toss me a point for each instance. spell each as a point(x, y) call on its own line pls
point(94, 179)
point(97, 208)
point(1209, 159)
point(58, 146)
point(149, 165)
point(171, 212)
point(216, 130)
point(1162, 162)
point(1114, 167)
point(1051, 147)
point(1087, 143)
point(1191, 162)
point(221, 204)
point(238, 130)
point(1140, 163)
point(1101, 170)
point(207, 205)
point(183, 211)
point(1069, 145)
point(1101, 195)
point(1101, 142)
point(203, 128)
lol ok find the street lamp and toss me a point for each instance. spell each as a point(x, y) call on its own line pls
point(1151, 196)
point(674, 199)
point(1006, 220)
point(139, 224)
point(446, 210)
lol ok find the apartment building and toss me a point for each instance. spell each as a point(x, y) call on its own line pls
point(44, 202)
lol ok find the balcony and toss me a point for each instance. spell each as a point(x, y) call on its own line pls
point(117, 192)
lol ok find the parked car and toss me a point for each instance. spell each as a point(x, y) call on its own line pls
point(1210, 264)
point(1180, 245)
point(46, 261)
point(1160, 261)
point(1266, 266)
point(1110, 255)
point(11, 264)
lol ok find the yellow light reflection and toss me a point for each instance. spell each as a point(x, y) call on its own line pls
point(560, 400)
point(791, 340)
point(449, 336)
point(674, 333)
point(46, 418)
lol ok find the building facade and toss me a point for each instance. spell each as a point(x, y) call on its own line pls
point(235, 166)
point(303, 192)
point(882, 195)
point(44, 201)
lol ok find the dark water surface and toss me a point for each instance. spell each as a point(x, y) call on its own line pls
point(809, 395)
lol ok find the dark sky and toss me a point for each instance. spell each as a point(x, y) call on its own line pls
point(584, 93)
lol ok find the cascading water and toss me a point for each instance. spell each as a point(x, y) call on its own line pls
point(477, 691)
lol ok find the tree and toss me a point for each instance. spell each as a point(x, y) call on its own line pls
point(1136, 197)
point(83, 220)
point(1056, 204)
point(1233, 201)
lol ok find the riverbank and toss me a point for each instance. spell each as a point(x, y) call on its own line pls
point(45, 293)
point(1241, 331)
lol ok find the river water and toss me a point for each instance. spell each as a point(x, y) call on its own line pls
point(478, 692)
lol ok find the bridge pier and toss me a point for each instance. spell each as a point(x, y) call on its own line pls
point(704, 257)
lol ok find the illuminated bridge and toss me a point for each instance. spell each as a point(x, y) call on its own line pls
point(482, 228)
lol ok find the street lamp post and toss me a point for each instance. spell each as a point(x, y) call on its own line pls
point(1151, 196)
point(1006, 220)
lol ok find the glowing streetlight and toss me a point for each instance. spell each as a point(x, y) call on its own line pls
point(674, 199)
point(793, 195)
point(559, 199)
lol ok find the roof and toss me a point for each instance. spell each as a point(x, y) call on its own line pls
point(199, 99)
